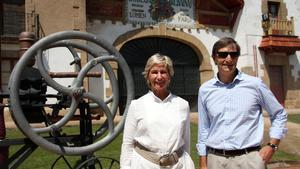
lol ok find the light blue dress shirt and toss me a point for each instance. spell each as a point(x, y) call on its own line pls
point(231, 117)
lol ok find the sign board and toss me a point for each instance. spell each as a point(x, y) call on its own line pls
point(174, 13)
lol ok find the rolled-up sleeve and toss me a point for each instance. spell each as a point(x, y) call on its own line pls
point(276, 111)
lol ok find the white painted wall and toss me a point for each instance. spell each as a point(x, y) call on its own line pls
point(293, 7)
point(247, 31)
point(58, 60)
point(109, 32)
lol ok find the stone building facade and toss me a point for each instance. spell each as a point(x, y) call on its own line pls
point(266, 30)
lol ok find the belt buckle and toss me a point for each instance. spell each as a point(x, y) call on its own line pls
point(224, 152)
point(168, 159)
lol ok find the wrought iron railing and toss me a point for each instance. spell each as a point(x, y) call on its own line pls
point(273, 26)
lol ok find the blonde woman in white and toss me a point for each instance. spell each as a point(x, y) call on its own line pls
point(157, 128)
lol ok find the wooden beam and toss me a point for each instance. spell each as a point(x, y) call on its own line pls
point(205, 12)
point(217, 3)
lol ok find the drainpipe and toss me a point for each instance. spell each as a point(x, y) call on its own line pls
point(255, 61)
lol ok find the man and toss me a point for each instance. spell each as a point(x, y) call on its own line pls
point(231, 124)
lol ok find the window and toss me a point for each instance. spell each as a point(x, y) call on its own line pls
point(273, 8)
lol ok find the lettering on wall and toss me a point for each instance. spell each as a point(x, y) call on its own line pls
point(176, 13)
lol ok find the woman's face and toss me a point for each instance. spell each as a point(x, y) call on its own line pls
point(159, 78)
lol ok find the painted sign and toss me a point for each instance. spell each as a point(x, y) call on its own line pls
point(175, 13)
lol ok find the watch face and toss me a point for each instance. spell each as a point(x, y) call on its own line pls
point(273, 146)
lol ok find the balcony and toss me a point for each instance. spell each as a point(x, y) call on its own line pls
point(274, 26)
point(279, 36)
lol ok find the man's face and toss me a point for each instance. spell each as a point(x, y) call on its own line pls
point(226, 59)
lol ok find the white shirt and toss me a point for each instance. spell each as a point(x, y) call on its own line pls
point(162, 126)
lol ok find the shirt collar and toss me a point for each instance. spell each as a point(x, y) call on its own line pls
point(157, 99)
point(237, 78)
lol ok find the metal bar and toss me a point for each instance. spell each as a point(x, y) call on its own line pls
point(86, 131)
point(21, 155)
point(20, 141)
point(74, 118)
point(72, 74)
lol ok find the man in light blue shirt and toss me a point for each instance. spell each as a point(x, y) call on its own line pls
point(231, 124)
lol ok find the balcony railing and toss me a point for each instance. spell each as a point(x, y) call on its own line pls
point(273, 26)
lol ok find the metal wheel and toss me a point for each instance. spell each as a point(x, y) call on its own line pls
point(76, 91)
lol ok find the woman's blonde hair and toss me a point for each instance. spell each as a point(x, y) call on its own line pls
point(158, 59)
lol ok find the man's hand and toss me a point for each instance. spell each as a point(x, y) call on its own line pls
point(203, 162)
point(266, 153)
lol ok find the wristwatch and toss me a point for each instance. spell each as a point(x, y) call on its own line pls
point(273, 146)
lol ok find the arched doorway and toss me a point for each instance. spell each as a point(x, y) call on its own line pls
point(185, 82)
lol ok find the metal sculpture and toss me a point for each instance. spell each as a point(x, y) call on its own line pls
point(76, 94)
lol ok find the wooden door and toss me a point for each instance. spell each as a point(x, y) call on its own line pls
point(276, 82)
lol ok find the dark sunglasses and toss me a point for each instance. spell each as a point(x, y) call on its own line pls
point(225, 54)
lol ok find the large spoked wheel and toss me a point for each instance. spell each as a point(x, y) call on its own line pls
point(76, 91)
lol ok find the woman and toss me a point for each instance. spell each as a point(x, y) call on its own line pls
point(157, 128)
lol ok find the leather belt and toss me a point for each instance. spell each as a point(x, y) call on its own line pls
point(164, 160)
point(232, 152)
